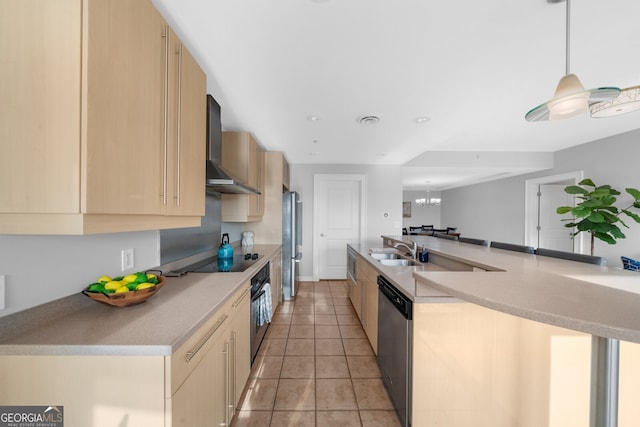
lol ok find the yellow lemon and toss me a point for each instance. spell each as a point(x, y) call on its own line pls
point(129, 278)
point(144, 286)
point(113, 285)
point(150, 276)
point(103, 279)
point(122, 289)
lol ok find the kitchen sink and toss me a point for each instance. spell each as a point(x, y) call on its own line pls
point(386, 255)
point(398, 262)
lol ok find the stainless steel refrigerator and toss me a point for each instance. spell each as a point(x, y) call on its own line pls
point(291, 242)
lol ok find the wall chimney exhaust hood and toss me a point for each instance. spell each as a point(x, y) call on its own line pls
point(218, 179)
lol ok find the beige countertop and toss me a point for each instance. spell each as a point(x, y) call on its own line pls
point(593, 299)
point(158, 326)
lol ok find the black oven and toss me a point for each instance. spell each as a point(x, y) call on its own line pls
point(261, 310)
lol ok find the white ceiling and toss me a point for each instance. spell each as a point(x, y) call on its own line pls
point(473, 67)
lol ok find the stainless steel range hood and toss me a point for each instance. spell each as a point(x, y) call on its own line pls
point(218, 179)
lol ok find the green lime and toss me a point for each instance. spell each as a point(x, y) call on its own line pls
point(153, 280)
point(132, 285)
point(109, 291)
point(117, 279)
point(141, 277)
point(96, 287)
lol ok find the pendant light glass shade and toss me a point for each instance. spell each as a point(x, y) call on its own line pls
point(628, 100)
point(570, 98)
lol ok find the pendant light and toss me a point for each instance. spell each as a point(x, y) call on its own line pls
point(626, 102)
point(570, 98)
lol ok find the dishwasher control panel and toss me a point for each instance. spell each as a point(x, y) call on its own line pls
point(397, 298)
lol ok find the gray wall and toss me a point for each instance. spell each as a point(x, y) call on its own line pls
point(384, 195)
point(495, 210)
point(422, 215)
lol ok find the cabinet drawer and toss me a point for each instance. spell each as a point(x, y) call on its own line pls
point(187, 357)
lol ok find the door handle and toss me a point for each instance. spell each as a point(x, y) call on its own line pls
point(322, 235)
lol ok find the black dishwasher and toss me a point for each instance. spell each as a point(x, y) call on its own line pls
point(394, 346)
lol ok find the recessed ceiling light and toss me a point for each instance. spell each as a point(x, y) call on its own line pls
point(380, 154)
point(314, 154)
point(422, 119)
point(368, 119)
point(314, 118)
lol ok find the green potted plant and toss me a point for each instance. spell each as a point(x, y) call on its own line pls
point(596, 213)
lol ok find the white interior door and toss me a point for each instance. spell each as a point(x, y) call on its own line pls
point(338, 212)
point(552, 234)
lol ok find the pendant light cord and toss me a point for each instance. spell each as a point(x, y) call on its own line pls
point(568, 32)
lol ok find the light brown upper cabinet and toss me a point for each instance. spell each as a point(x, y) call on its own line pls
point(102, 111)
point(243, 158)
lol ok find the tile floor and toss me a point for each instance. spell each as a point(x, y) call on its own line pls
point(316, 367)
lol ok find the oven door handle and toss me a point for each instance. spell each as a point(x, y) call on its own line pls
point(257, 297)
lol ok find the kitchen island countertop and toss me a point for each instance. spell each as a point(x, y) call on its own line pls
point(77, 325)
point(599, 300)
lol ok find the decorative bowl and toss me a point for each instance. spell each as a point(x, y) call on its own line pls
point(125, 299)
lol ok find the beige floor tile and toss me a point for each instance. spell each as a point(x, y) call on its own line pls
point(379, 419)
point(329, 347)
point(298, 367)
point(273, 347)
point(338, 418)
point(302, 319)
point(300, 347)
point(259, 395)
point(325, 309)
point(344, 309)
point(301, 331)
point(266, 367)
point(285, 307)
point(352, 331)
point(295, 395)
point(348, 319)
point(303, 309)
point(293, 419)
point(326, 319)
point(281, 319)
point(335, 394)
point(341, 301)
point(304, 299)
point(371, 394)
point(363, 367)
point(251, 419)
point(327, 331)
point(357, 347)
point(277, 331)
point(331, 367)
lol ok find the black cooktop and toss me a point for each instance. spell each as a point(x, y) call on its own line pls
point(238, 263)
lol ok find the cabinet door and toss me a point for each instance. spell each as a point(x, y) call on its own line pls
point(123, 107)
point(186, 148)
point(241, 344)
point(371, 304)
point(203, 395)
point(40, 45)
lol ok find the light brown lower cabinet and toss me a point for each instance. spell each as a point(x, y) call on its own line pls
point(199, 384)
point(364, 297)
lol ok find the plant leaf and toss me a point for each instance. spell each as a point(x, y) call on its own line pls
point(588, 182)
point(574, 189)
point(596, 217)
point(634, 193)
point(563, 209)
point(606, 238)
point(581, 211)
point(635, 217)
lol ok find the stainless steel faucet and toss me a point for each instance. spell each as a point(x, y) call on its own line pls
point(413, 250)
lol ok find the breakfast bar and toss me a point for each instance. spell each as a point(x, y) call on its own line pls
point(503, 338)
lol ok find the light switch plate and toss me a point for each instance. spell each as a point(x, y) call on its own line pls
point(127, 259)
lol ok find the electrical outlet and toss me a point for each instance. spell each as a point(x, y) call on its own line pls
point(127, 259)
point(1, 292)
